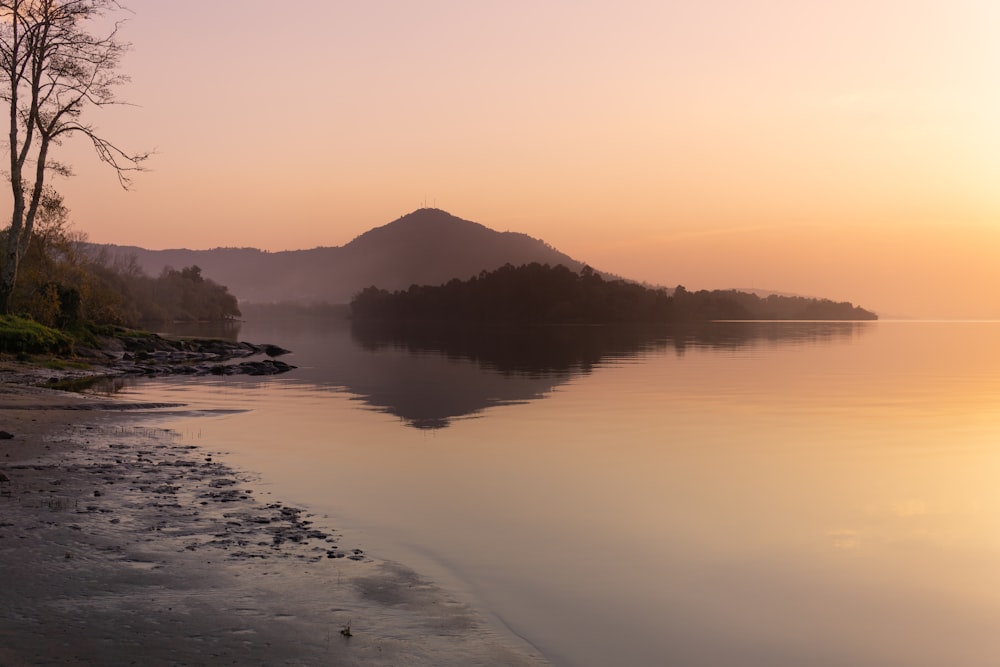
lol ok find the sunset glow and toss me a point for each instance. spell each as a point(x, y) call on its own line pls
point(849, 150)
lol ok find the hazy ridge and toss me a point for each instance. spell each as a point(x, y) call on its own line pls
point(426, 247)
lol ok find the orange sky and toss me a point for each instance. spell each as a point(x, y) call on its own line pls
point(845, 149)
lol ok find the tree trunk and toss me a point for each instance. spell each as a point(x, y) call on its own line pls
point(22, 223)
point(12, 255)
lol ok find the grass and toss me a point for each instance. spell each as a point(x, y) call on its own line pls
point(21, 336)
point(78, 385)
point(57, 364)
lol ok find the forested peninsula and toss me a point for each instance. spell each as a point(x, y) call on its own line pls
point(542, 294)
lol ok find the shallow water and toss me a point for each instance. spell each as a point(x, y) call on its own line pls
point(740, 494)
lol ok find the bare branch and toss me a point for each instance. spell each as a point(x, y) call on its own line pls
point(52, 70)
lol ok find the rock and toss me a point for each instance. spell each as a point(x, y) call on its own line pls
point(274, 350)
point(153, 356)
point(4, 435)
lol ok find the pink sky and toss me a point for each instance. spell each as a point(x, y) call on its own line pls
point(844, 149)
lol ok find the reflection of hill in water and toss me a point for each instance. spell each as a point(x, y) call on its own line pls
point(430, 376)
point(427, 390)
point(523, 351)
point(434, 374)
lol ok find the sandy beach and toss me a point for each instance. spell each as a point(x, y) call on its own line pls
point(121, 546)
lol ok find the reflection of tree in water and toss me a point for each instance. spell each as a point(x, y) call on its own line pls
point(530, 351)
point(740, 334)
point(542, 350)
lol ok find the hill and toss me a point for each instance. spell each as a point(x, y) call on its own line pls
point(426, 247)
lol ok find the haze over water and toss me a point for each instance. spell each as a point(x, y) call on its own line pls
point(744, 494)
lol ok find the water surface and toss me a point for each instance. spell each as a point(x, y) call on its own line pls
point(738, 494)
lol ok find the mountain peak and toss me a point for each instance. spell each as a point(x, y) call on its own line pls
point(428, 213)
point(431, 216)
point(422, 227)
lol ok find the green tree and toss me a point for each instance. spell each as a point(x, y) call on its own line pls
point(53, 69)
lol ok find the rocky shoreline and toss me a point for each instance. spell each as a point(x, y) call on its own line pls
point(150, 355)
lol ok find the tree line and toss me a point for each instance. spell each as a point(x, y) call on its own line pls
point(539, 293)
point(62, 284)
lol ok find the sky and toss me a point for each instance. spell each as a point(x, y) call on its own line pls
point(848, 150)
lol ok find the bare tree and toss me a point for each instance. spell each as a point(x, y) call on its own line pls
point(53, 69)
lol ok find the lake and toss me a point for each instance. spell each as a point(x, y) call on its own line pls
point(778, 494)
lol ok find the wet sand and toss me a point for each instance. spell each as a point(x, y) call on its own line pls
point(120, 546)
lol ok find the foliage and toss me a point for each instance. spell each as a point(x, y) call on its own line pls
point(182, 296)
point(122, 294)
point(53, 281)
point(64, 286)
point(735, 305)
point(59, 364)
point(21, 336)
point(539, 293)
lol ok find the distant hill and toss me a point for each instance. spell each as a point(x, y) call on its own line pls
point(426, 247)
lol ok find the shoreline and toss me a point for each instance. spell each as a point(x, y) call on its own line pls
point(122, 546)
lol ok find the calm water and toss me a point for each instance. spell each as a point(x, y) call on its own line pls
point(744, 494)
